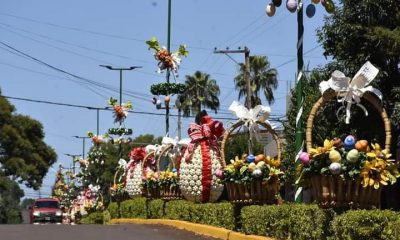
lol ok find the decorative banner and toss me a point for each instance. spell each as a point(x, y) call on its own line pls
point(250, 117)
point(350, 91)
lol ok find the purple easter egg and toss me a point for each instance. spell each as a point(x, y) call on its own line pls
point(218, 173)
point(291, 5)
point(304, 158)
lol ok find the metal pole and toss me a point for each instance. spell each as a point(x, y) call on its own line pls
point(120, 87)
point(168, 72)
point(83, 151)
point(247, 76)
point(299, 141)
point(179, 123)
point(98, 117)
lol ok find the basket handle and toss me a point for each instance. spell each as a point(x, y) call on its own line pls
point(367, 96)
point(240, 123)
point(162, 153)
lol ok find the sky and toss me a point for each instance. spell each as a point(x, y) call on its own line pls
point(77, 36)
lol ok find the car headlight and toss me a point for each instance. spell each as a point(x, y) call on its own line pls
point(36, 214)
point(58, 213)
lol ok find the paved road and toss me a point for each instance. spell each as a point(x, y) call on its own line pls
point(95, 232)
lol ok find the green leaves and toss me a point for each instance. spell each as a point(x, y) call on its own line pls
point(153, 44)
point(182, 51)
point(167, 88)
point(112, 101)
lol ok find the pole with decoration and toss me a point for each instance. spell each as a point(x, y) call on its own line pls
point(293, 6)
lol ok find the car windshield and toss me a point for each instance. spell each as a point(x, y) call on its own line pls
point(47, 204)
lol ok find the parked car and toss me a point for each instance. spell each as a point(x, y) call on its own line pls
point(46, 210)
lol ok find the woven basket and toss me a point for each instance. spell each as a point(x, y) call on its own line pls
point(168, 192)
point(252, 192)
point(334, 191)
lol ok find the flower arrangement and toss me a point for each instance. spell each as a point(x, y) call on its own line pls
point(166, 59)
point(168, 178)
point(250, 168)
point(120, 110)
point(350, 160)
point(150, 180)
point(118, 189)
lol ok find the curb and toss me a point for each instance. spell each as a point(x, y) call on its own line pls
point(215, 232)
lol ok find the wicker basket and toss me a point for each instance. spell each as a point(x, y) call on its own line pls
point(168, 192)
point(252, 192)
point(149, 193)
point(334, 191)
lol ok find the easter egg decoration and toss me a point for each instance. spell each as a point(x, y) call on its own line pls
point(335, 168)
point(310, 10)
point(337, 142)
point(270, 10)
point(323, 2)
point(349, 142)
point(334, 156)
point(291, 5)
point(361, 145)
point(352, 156)
point(158, 104)
point(304, 158)
point(329, 6)
point(219, 173)
point(315, 1)
point(167, 99)
point(259, 158)
point(251, 158)
point(257, 173)
point(277, 3)
point(154, 100)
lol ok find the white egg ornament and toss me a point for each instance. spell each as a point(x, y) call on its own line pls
point(335, 168)
point(270, 10)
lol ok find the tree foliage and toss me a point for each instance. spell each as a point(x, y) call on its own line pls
point(201, 91)
point(10, 195)
point(263, 78)
point(23, 153)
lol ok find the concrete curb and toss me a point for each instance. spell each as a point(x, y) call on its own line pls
point(215, 232)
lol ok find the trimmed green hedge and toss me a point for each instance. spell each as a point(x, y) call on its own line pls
point(289, 221)
point(96, 218)
point(134, 208)
point(367, 224)
point(155, 209)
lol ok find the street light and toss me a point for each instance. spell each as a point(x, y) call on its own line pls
point(83, 144)
point(120, 76)
point(73, 160)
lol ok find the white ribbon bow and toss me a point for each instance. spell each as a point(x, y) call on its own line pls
point(250, 117)
point(349, 90)
point(122, 164)
point(176, 143)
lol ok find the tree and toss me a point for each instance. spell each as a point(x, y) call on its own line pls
point(262, 78)
point(27, 202)
point(10, 195)
point(23, 153)
point(201, 91)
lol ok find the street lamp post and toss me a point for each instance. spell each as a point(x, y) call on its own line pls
point(83, 144)
point(120, 76)
point(73, 160)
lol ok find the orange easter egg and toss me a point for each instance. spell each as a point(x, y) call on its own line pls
point(361, 145)
point(259, 158)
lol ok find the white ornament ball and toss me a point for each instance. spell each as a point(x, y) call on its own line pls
point(270, 10)
point(335, 168)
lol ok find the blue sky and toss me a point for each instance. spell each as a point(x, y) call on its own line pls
point(77, 36)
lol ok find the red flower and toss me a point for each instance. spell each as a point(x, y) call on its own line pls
point(138, 153)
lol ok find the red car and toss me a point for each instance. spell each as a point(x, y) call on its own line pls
point(46, 210)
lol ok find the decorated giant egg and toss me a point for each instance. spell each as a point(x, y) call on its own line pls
point(133, 179)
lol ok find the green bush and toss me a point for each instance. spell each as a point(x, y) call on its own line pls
point(367, 224)
point(214, 214)
point(178, 210)
point(289, 221)
point(134, 208)
point(93, 218)
point(114, 210)
point(106, 217)
point(155, 208)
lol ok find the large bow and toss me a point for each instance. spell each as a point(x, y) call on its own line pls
point(209, 130)
point(177, 145)
point(350, 91)
point(250, 117)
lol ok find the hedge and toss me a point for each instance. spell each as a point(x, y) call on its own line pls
point(134, 208)
point(289, 221)
point(114, 210)
point(96, 218)
point(367, 224)
point(155, 209)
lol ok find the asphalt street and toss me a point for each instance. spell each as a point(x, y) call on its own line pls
point(95, 232)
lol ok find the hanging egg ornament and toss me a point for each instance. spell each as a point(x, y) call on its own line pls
point(167, 99)
point(323, 2)
point(304, 158)
point(270, 10)
point(334, 156)
point(158, 104)
point(154, 100)
point(277, 3)
point(315, 1)
point(349, 142)
point(352, 156)
point(310, 10)
point(251, 158)
point(335, 168)
point(329, 6)
point(291, 5)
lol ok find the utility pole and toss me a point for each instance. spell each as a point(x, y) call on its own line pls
point(168, 71)
point(83, 144)
point(246, 52)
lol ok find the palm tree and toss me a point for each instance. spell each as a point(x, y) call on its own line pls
point(201, 91)
point(262, 78)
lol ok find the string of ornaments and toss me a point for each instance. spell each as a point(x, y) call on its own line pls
point(292, 6)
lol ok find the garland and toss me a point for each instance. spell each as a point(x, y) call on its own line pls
point(167, 88)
